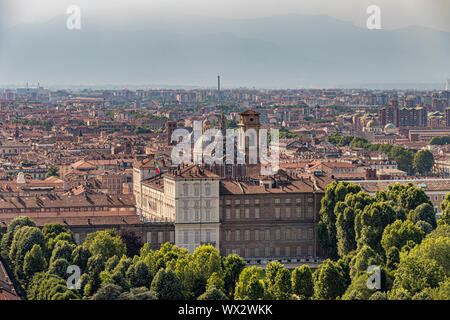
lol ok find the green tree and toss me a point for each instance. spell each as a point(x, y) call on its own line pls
point(132, 241)
point(167, 285)
point(212, 293)
point(59, 267)
point(422, 296)
point(34, 262)
point(47, 286)
point(344, 264)
point(108, 292)
point(399, 294)
point(249, 285)
point(53, 172)
point(62, 250)
point(407, 196)
point(95, 266)
point(441, 231)
point(424, 212)
point(345, 226)
point(378, 296)
point(370, 223)
point(358, 289)
point(424, 226)
point(436, 249)
point(232, 267)
point(423, 161)
point(302, 282)
point(444, 218)
point(138, 294)
point(399, 233)
point(272, 270)
point(365, 257)
point(24, 240)
point(443, 292)
point(329, 282)
point(105, 242)
point(8, 237)
point(442, 140)
point(326, 227)
point(80, 257)
point(359, 142)
point(403, 157)
point(138, 275)
point(216, 281)
point(282, 288)
point(416, 274)
point(54, 232)
point(392, 258)
point(207, 259)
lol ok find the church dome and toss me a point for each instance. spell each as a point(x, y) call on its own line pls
point(372, 123)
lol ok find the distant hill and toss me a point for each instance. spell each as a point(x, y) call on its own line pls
point(281, 51)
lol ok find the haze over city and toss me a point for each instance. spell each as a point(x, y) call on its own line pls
point(294, 44)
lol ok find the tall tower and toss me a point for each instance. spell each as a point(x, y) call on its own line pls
point(218, 87)
point(447, 85)
point(249, 136)
point(16, 132)
point(171, 126)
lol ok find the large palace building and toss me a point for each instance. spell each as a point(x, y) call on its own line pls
point(258, 217)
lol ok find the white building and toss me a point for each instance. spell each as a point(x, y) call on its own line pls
point(188, 196)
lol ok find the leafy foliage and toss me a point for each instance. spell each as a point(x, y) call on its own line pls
point(302, 282)
point(423, 161)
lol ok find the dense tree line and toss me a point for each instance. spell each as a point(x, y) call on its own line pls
point(395, 230)
point(442, 140)
point(407, 160)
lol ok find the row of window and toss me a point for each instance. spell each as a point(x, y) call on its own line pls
point(266, 235)
point(196, 237)
point(207, 203)
point(158, 237)
point(197, 189)
point(207, 215)
point(436, 198)
point(279, 213)
point(75, 209)
point(297, 200)
point(272, 251)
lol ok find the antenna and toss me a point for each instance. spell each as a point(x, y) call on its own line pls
point(218, 87)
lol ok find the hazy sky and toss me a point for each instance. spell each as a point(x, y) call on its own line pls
point(395, 13)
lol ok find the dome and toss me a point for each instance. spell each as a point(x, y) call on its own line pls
point(372, 123)
point(389, 126)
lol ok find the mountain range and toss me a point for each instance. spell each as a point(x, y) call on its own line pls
point(282, 51)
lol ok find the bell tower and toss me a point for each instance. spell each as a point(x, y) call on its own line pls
point(249, 136)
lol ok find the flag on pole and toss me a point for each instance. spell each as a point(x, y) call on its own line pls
point(156, 167)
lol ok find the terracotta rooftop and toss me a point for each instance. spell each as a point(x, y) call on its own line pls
point(57, 201)
point(249, 112)
point(149, 163)
point(52, 184)
point(91, 220)
point(191, 172)
point(304, 185)
point(371, 186)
